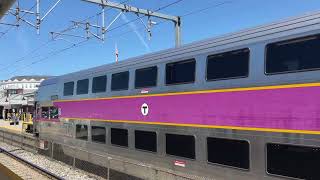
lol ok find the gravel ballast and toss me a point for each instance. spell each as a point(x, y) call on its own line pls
point(51, 165)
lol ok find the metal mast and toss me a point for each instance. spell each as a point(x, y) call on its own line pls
point(17, 13)
point(127, 8)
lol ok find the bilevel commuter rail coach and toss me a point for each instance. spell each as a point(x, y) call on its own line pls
point(242, 106)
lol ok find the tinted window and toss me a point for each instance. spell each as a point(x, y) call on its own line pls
point(54, 112)
point(180, 145)
point(45, 112)
point(146, 140)
point(181, 72)
point(120, 81)
point(82, 86)
point(98, 134)
point(228, 65)
point(68, 88)
point(146, 77)
point(293, 161)
point(99, 84)
point(82, 131)
point(293, 55)
point(228, 152)
point(119, 137)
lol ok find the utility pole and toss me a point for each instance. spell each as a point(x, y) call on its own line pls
point(148, 13)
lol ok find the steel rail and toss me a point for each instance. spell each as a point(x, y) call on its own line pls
point(31, 165)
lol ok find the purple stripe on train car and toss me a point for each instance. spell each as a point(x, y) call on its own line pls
point(292, 108)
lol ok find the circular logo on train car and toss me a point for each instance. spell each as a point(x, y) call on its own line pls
point(144, 109)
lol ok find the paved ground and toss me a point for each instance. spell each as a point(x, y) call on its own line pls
point(6, 125)
point(3, 175)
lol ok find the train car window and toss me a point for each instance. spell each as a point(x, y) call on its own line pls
point(119, 137)
point(180, 145)
point(68, 88)
point(45, 112)
point(300, 54)
point(181, 72)
point(234, 153)
point(54, 112)
point(233, 64)
point(98, 134)
point(146, 140)
point(120, 81)
point(300, 162)
point(146, 77)
point(83, 86)
point(82, 131)
point(99, 84)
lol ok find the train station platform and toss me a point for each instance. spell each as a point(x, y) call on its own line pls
point(6, 125)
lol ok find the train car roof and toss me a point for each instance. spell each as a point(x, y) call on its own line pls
point(299, 22)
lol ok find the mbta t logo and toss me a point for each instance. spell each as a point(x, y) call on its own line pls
point(144, 109)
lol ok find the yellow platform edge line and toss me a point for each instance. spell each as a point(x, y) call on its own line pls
point(13, 129)
point(203, 126)
point(201, 92)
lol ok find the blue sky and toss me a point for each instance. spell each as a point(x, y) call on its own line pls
point(23, 52)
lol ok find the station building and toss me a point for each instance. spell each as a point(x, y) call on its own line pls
point(17, 95)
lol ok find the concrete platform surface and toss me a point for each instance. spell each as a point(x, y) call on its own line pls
point(6, 125)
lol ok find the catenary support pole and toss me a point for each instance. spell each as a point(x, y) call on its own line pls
point(127, 8)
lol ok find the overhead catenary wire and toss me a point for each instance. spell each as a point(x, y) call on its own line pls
point(16, 24)
point(45, 44)
point(53, 53)
point(206, 8)
point(161, 8)
point(49, 41)
point(136, 19)
point(183, 15)
point(93, 16)
point(24, 57)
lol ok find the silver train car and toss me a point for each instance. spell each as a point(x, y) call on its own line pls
point(243, 106)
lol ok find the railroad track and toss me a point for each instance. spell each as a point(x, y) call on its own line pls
point(24, 169)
